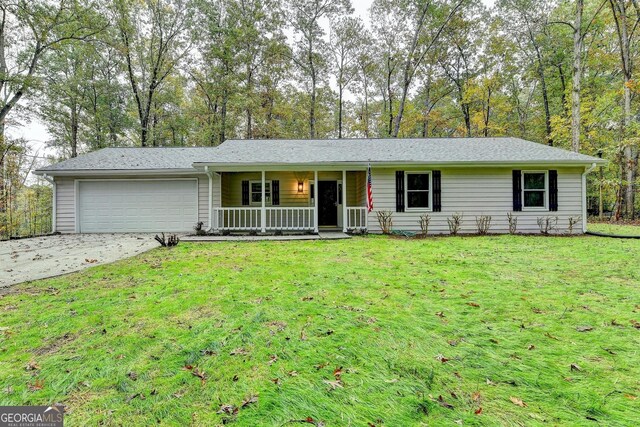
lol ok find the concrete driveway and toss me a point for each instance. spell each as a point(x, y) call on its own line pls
point(41, 257)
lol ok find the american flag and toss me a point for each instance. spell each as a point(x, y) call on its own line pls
point(369, 194)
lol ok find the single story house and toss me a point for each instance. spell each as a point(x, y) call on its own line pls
point(309, 185)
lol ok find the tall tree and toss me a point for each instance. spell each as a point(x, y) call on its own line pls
point(626, 15)
point(153, 41)
point(345, 46)
point(426, 20)
point(310, 48)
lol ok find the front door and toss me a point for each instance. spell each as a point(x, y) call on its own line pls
point(328, 203)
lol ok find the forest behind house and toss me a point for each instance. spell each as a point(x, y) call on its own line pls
point(104, 73)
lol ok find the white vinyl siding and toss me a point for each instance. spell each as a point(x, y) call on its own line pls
point(474, 192)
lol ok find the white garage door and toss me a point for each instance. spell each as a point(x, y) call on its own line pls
point(137, 206)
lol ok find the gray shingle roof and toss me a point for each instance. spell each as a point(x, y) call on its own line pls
point(135, 159)
point(279, 151)
point(430, 150)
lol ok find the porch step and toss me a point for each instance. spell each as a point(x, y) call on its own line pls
point(333, 235)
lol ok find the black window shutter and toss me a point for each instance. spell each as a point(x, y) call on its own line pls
point(275, 192)
point(245, 193)
point(437, 191)
point(553, 190)
point(517, 190)
point(399, 191)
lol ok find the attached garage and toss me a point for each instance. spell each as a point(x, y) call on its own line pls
point(136, 205)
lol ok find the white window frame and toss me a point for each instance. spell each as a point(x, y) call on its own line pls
point(406, 191)
point(269, 201)
point(546, 191)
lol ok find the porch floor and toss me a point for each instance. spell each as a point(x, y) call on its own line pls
point(322, 235)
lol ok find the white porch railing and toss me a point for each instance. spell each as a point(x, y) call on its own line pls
point(250, 219)
point(293, 219)
point(356, 218)
point(237, 219)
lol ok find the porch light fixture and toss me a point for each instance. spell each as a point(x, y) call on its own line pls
point(300, 186)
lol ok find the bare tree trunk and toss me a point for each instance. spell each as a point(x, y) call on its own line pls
point(249, 107)
point(577, 77)
point(312, 107)
point(629, 160)
point(340, 90)
point(74, 130)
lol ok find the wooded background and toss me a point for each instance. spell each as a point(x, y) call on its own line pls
point(196, 72)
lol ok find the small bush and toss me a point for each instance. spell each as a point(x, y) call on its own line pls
point(547, 224)
point(424, 224)
point(513, 223)
point(385, 221)
point(483, 223)
point(198, 229)
point(572, 222)
point(455, 222)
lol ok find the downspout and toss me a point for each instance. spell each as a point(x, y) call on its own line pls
point(584, 195)
point(53, 197)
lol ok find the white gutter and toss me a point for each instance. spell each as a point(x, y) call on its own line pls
point(54, 197)
point(584, 195)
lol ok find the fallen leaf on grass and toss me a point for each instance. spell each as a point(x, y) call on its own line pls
point(334, 384)
point(37, 385)
point(307, 298)
point(320, 365)
point(475, 396)
point(518, 402)
point(200, 374)
point(238, 351)
point(32, 366)
point(495, 341)
point(309, 420)
point(548, 335)
point(584, 328)
point(635, 324)
point(443, 403)
point(337, 372)
point(478, 411)
point(575, 367)
point(273, 359)
point(531, 347)
point(187, 367)
point(276, 381)
point(228, 409)
point(249, 400)
point(293, 373)
point(630, 396)
point(440, 314)
point(133, 376)
point(489, 382)
point(441, 358)
point(473, 304)
point(133, 396)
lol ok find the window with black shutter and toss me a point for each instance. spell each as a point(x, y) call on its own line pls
point(245, 193)
point(399, 191)
point(437, 191)
point(517, 190)
point(275, 192)
point(553, 190)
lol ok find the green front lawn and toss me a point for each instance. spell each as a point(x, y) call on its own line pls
point(508, 330)
point(613, 228)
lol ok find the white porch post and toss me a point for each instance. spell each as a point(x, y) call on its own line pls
point(210, 197)
point(263, 211)
point(315, 203)
point(344, 200)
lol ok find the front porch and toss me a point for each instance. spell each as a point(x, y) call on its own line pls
point(288, 201)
